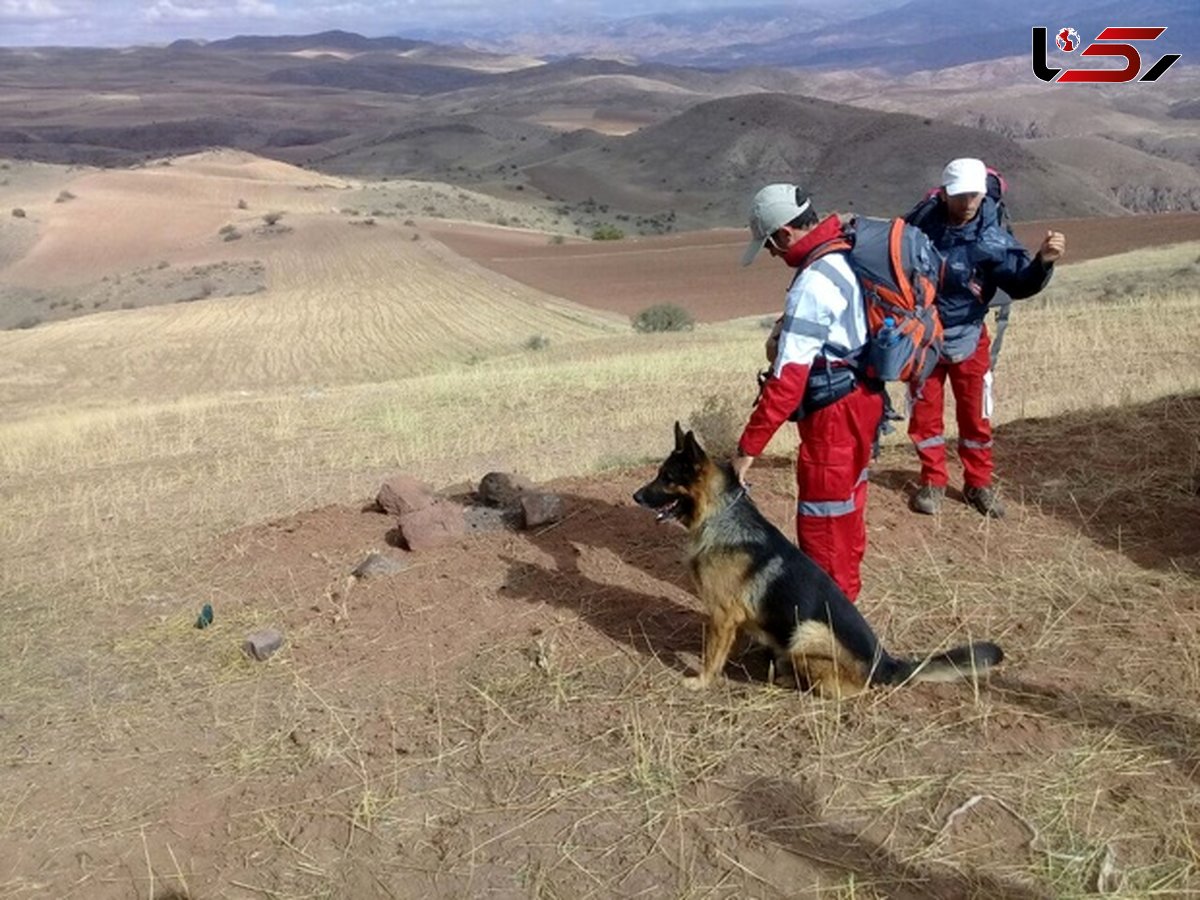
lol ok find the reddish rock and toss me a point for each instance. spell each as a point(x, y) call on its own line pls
point(402, 494)
point(436, 524)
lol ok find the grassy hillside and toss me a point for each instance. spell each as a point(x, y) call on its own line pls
point(506, 711)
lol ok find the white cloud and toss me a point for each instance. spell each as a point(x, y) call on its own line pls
point(206, 10)
point(167, 11)
point(257, 9)
point(30, 10)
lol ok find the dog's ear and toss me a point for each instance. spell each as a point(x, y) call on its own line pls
point(692, 449)
point(679, 436)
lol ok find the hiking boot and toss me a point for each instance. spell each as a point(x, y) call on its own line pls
point(985, 500)
point(928, 500)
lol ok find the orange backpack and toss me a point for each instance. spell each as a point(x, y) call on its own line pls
point(899, 271)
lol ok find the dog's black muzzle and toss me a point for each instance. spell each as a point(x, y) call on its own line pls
point(668, 505)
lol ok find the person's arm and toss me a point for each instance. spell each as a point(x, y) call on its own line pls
point(1018, 275)
point(805, 328)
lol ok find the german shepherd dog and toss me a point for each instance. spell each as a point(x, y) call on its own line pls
point(750, 577)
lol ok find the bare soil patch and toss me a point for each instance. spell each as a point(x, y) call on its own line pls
point(26, 307)
point(700, 270)
point(505, 715)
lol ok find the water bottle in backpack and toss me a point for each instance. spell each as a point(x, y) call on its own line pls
point(889, 351)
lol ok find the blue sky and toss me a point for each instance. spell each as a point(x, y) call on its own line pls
point(124, 22)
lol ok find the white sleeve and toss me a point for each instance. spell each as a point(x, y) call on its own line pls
point(813, 306)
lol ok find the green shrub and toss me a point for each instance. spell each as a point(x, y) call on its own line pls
point(537, 342)
point(272, 217)
point(607, 233)
point(663, 317)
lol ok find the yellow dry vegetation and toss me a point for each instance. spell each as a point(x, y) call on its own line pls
point(128, 438)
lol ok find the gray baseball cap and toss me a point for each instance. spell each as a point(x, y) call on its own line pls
point(773, 207)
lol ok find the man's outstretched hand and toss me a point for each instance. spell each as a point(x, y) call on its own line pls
point(1053, 246)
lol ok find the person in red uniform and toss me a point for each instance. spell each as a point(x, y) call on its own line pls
point(822, 331)
point(981, 255)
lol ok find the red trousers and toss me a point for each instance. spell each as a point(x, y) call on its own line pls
point(831, 480)
point(971, 382)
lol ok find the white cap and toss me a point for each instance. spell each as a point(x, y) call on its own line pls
point(773, 207)
point(965, 176)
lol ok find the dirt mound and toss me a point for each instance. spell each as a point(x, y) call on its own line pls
point(505, 713)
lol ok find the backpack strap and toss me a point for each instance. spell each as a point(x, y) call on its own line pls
point(920, 213)
point(839, 244)
point(1003, 309)
point(895, 251)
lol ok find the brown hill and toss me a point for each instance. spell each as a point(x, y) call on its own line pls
point(707, 161)
point(678, 147)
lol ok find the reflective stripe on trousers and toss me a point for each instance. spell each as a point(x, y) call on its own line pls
point(830, 508)
point(831, 485)
point(971, 382)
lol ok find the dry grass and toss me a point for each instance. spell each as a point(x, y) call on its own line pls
point(571, 762)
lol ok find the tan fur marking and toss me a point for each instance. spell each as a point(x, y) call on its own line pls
point(721, 582)
point(704, 491)
point(829, 679)
point(822, 660)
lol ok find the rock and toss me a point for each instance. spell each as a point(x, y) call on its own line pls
point(377, 564)
point(402, 494)
point(489, 518)
point(262, 644)
point(432, 526)
point(503, 489)
point(541, 509)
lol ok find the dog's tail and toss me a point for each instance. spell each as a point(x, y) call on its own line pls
point(966, 661)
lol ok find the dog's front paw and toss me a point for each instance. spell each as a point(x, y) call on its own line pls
point(695, 682)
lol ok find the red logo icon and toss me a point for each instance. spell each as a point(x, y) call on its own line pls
point(1112, 41)
point(1067, 40)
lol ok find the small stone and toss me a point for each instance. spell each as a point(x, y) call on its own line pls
point(503, 488)
point(542, 509)
point(433, 526)
point(402, 494)
point(377, 564)
point(262, 644)
point(490, 518)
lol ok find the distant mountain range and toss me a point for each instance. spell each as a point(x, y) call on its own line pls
point(899, 37)
point(621, 140)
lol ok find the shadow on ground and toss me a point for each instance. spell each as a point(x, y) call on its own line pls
point(653, 624)
point(1172, 736)
point(1128, 478)
point(785, 814)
